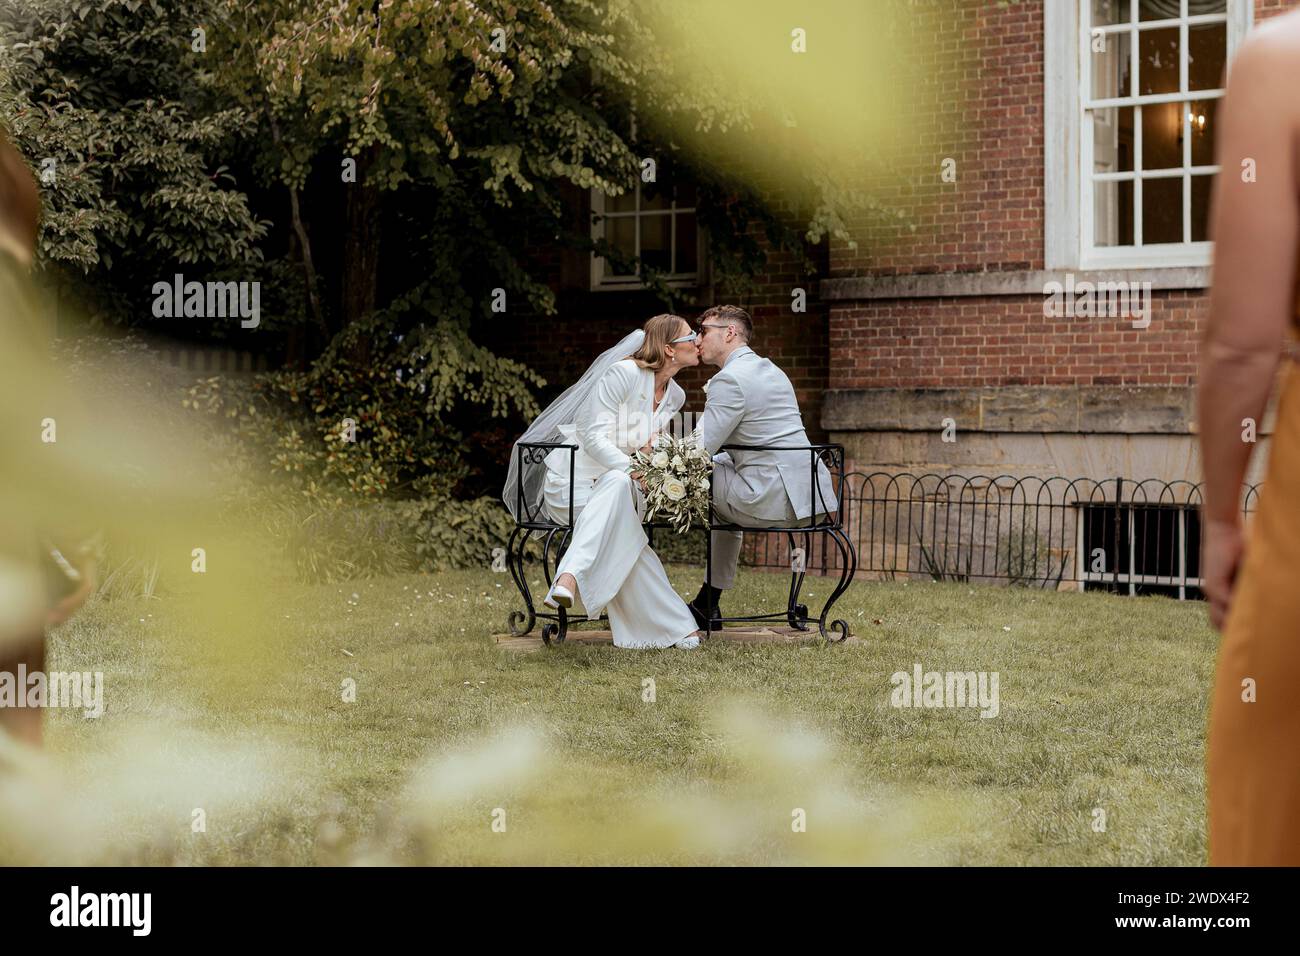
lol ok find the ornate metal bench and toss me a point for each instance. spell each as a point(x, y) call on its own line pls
point(796, 614)
point(555, 535)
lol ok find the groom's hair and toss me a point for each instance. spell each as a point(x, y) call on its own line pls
point(732, 315)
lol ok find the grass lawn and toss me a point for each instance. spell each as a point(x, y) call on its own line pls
point(455, 751)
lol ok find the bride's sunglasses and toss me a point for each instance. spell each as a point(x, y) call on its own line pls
point(685, 338)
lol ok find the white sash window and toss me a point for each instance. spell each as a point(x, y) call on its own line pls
point(1133, 89)
point(654, 222)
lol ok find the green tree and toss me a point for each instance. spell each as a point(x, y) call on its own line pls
point(114, 109)
point(387, 165)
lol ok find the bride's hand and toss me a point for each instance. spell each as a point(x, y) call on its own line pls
point(639, 478)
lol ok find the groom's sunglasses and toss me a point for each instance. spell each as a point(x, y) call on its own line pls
point(700, 331)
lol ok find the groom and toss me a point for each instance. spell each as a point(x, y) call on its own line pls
point(750, 402)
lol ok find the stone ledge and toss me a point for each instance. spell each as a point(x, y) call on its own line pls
point(1087, 409)
point(1020, 282)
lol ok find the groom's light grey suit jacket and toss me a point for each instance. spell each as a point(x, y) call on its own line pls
point(750, 401)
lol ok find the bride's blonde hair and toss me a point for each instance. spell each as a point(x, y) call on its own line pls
point(659, 331)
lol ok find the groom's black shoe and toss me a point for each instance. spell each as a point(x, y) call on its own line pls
point(706, 622)
point(706, 598)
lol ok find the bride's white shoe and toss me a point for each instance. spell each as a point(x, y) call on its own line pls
point(688, 643)
point(558, 596)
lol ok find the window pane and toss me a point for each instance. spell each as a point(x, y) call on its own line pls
point(1162, 211)
point(622, 235)
point(1112, 213)
point(623, 203)
point(1110, 69)
point(654, 242)
point(1155, 541)
point(1109, 11)
point(1112, 140)
point(1201, 207)
point(1158, 9)
point(1193, 543)
point(1162, 135)
point(687, 244)
point(1202, 113)
point(1104, 528)
point(654, 195)
point(1207, 51)
point(1158, 61)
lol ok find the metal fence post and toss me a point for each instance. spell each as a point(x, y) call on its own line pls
point(1119, 498)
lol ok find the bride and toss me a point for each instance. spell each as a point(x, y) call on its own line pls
point(620, 402)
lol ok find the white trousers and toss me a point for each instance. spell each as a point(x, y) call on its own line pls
point(611, 559)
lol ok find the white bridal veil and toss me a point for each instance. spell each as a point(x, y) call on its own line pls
point(546, 428)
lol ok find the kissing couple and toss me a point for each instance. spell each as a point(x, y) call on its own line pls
point(616, 408)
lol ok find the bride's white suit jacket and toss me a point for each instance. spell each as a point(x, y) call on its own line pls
point(617, 419)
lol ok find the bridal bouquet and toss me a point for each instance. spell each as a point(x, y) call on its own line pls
point(677, 472)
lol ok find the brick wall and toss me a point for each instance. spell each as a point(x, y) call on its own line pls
point(973, 88)
point(996, 341)
point(978, 94)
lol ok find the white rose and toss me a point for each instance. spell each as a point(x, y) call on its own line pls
point(678, 464)
point(703, 484)
point(659, 459)
point(674, 489)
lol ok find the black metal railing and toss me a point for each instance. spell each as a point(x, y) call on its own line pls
point(1116, 534)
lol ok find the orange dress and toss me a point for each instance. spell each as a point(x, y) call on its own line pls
point(1253, 758)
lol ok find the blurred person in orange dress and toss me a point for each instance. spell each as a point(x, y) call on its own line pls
point(1253, 761)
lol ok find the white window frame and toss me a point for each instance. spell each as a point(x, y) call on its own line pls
point(1068, 225)
point(601, 282)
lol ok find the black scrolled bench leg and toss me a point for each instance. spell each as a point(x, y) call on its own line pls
point(848, 568)
point(554, 632)
point(796, 614)
point(520, 622)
